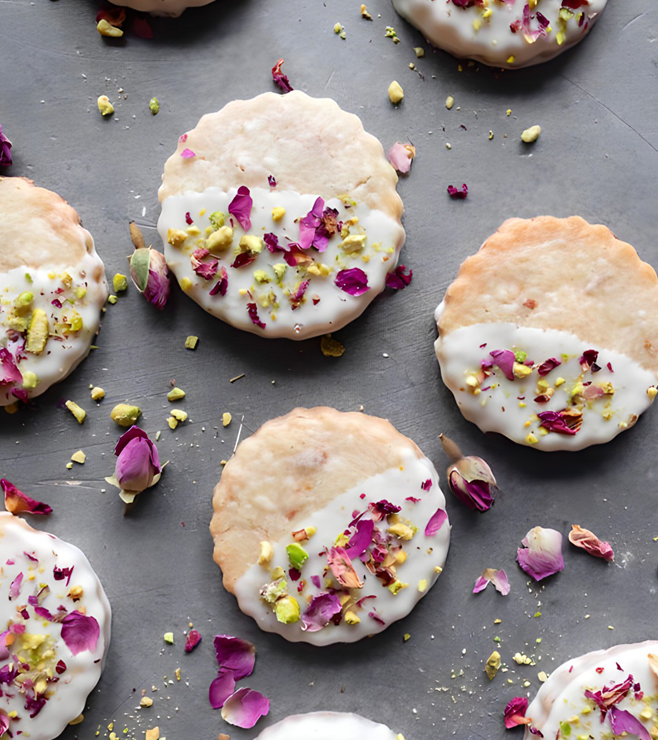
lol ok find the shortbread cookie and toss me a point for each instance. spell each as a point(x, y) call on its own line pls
point(52, 288)
point(600, 695)
point(327, 726)
point(280, 215)
point(171, 8)
point(56, 631)
point(329, 526)
point(503, 33)
point(549, 334)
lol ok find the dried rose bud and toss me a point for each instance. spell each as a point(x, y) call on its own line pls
point(149, 271)
point(469, 478)
point(137, 466)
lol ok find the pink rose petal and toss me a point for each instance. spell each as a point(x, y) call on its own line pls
point(240, 207)
point(187, 154)
point(342, 568)
point(236, 655)
point(322, 607)
point(401, 156)
point(589, 542)
point(623, 721)
point(497, 577)
point(245, 708)
point(221, 688)
point(541, 554)
point(436, 522)
point(193, 639)
point(515, 713)
point(18, 502)
point(80, 632)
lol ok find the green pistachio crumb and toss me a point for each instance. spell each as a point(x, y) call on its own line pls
point(176, 394)
point(112, 299)
point(97, 393)
point(179, 415)
point(191, 342)
point(125, 415)
point(169, 638)
point(119, 283)
point(297, 555)
point(154, 106)
point(79, 413)
point(79, 457)
point(217, 219)
point(30, 380)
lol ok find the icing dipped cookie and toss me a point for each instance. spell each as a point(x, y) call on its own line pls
point(327, 726)
point(52, 288)
point(329, 526)
point(549, 334)
point(600, 695)
point(280, 215)
point(503, 33)
point(55, 622)
point(172, 8)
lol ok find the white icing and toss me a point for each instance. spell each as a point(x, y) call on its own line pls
point(497, 407)
point(172, 8)
point(59, 357)
point(425, 556)
point(563, 695)
point(82, 672)
point(491, 40)
point(327, 726)
point(335, 308)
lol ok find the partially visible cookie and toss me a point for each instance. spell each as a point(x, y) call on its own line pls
point(327, 726)
point(549, 334)
point(52, 289)
point(600, 695)
point(280, 215)
point(172, 8)
point(503, 33)
point(329, 526)
point(54, 631)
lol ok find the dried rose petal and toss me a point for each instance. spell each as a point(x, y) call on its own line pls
point(252, 310)
point(609, 696)
point(623, 721)
point(5, 150)
point(361, 539)
point(222, 285)
point(559, 422)
point(321, 608)
point(398, 279)
point(141, 27)
point(457, 193)
point(505, 360)
point(280, 79)
point(401, 156)
point(9, 372)
point(187, 154)
point(15, 587)
point(497, 577)
point(240, 207)
point(236, 655)
point(515, 713)
point(353, 281)
point(546, 367)
point(221, 688)
point(80, 632)
point(245, 708)
point(17, 502)
point(589, 542)
point(541, 554)
point(4, 724)
point(193, 639)
point(342, 568)
point(435, 523)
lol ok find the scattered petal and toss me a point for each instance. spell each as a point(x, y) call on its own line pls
point(541, 554)
point(236, 655)
point(5, 150)
point(240, 207)
point(505, 360)
point(546, 367)
point(361, 539)
point(322, 607)
point(281, 79)
point(398, 279)
point(193, 639)
point(401, 156)
point(9, 372)
point(80, 632)
point(561, 422)
point(515, 713)
point(17, 502)
point(245, 708)
point(589, 542)
point(353, 281)
point(252, 309)
point(457, 193)
point(342, 568)
point(221, 688)
point(497, 577)
point(623, 721)
point(436, 522)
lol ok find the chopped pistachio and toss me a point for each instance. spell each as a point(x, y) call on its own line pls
point(226, 418)
point(420, 52)
point(531, 134)
point(79, 413)
point(279, 270)
point(154, 106)
point(251, 243)
point(112, 299)
point(270, 592)
point(30, 380)
point(79, 457)
point(353, 243)
point(297, 555)
point(119, 283)
point(450, 101)
point(220, 240)
point(521, 371)
point(38, 331)
point(97, 393)
point(531, 439)
point(104, 106)
point(287, 610)
point(351, 618)
point(176, 394)
point(401, 530)
point(266, 553)
point(422, 585)
point(176, 237)
point(24, 299)
point(78, 720)
point(493, 664)
point(217, 219)
point(179, 414)
point(152, 734)
point(396, 587)
point(390, 33)
point(69, 465)
point(173, 423)
point(364, 13)
point(260, 276)
point(406, 637)
point(652, 392)
point(331, 347)
point(191, 342)
point(146, 701)
point(395, 92)
point(169, 638)
point(107, 29)
point(125, 415)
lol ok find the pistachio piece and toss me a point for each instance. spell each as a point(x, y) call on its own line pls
point(278, 214)
point(220, 240)
point(226, 418)
point(119, 283)
point(287, 610)
point(217, 219)
point(531, 134)
point(169, 638)
point(176, 237)
point(97, 393)
point(104, 106)
point(79, 457)
point(351, 618)
point(179, 415)
point(395, 92)
point(105, 28)
point(30, 380)
point(24, 299)
point(331, 347)
point(493, 664)
point(79, 413)
point(266, 553)
point(176, 394)
point(146, 701)
point(353, 243)
point(191, 342)
point(154, 106)
point(297, 555)
point(125, 415)
point(37, 333)
point(251, 243)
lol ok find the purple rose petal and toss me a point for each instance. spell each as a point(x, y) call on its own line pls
point(437, 520)
point(504, 359)
point(221, 286)
point(497, 577)
point(193, 639)
point(252, 309)
point(546, 367)
point(280, 79)
point(221, 688)
point(398, 279)
point(361, 539)
point(541, 554)
point(18, 502)
point(556, 422)
point(236, 655)
point(623, 721)
point(353, 281)
point(9, 372)
point(245, 708)
point(5, 150)
point(80, 632)
point(15, 587)
point(322, 607)
point(515, 712)
point(240, 207)
point(458, 193)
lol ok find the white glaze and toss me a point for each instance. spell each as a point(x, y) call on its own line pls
point(82, 670)
point(336, 307)
point(563, 695)
point(451, 28)
point(497, 409)
point(58, 358)
point(327, 726)
point(172, 8)
point(425, 555)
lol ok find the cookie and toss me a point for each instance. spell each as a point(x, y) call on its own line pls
point(549, 334)
point(577, 701)
point(55, 626)
point(327, 726)
point(172, 8)
point(503, 33)
point(329, 526)
point(52, 288)
point(280, 215)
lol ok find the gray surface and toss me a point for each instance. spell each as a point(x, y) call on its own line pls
point(597, 157)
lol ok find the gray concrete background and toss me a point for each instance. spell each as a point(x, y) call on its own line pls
point(597, 157)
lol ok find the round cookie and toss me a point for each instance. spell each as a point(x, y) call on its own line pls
point(503, 33)
point(54, 631)
point(329, 526)
point(317, 228)
point(172, 8)
point(575, 701)
point(52, 288)
point(327, 726)
point(549, 334)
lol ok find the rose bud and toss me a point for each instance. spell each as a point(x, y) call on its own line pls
point(149, 271)
point(137, 466)
point(469, 478)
